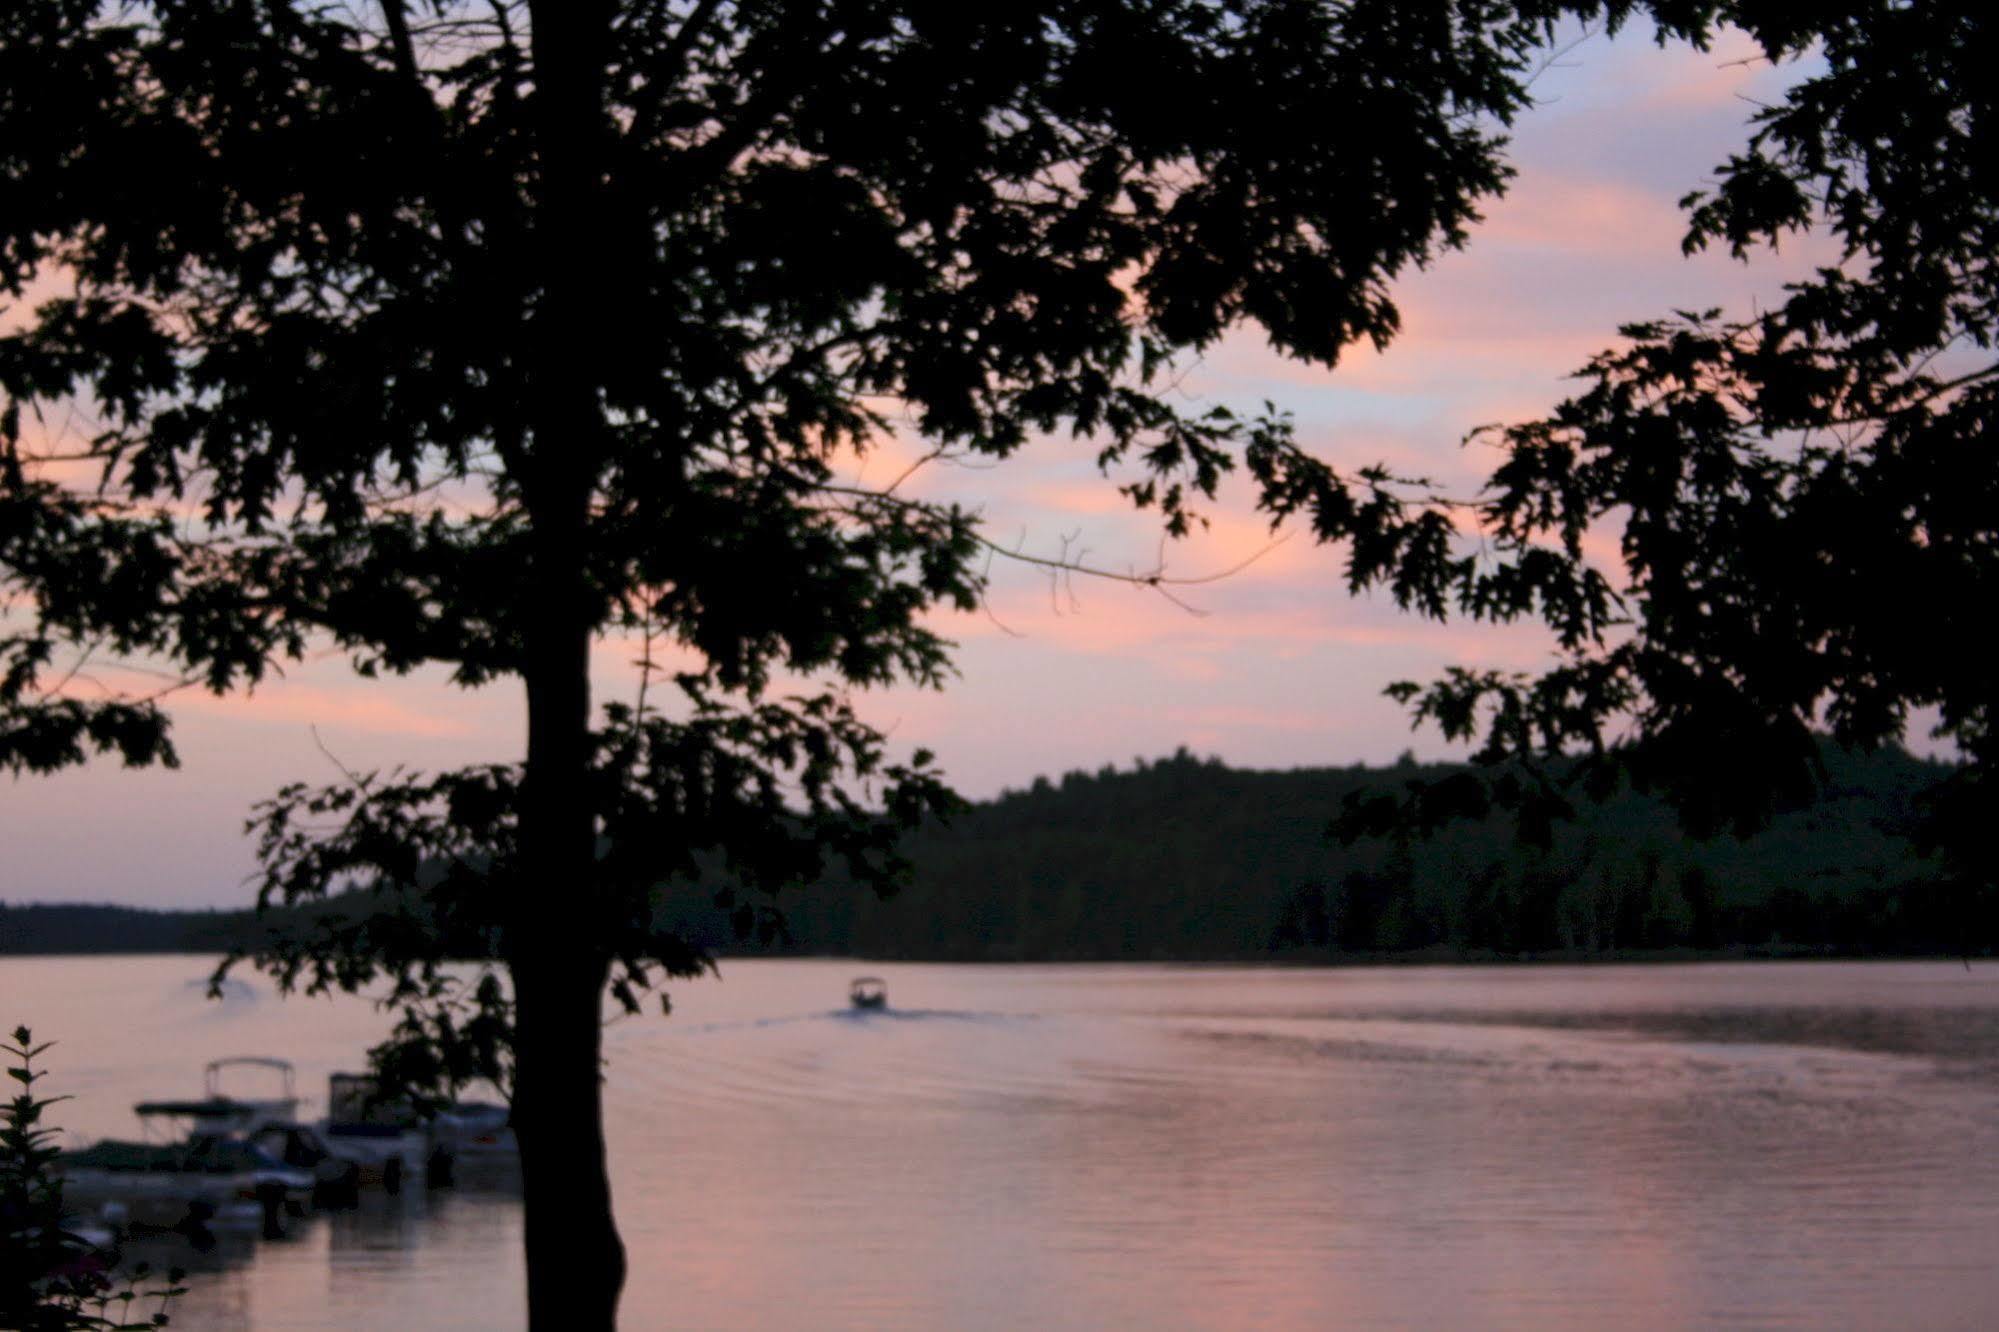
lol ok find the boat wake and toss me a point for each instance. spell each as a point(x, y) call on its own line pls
point(858, 1017)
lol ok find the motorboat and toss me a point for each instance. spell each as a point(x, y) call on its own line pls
point(206, 1181)
point(216, 1160)
point(868, 992)
point(362, 1122)
point(475, 1128)
point(385, 1139)
point(266, 1122)
point(357, 1144)
point(337, 1177)
point(90, 1234)
point(220, 1115)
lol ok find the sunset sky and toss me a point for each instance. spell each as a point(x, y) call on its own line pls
point(1280, 668)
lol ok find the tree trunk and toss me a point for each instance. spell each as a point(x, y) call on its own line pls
point(575, 1261)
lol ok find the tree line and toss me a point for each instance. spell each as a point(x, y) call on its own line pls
point(1186, 859)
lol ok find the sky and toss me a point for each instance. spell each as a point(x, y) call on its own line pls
point(1275, 666)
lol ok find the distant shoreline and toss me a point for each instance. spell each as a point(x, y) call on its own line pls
point(1187, 860)
point(1287, 959)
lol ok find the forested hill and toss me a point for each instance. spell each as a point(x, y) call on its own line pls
point(67, 928)
point(1187, 859)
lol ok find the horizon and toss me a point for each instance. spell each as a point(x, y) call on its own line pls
point(1036, 785)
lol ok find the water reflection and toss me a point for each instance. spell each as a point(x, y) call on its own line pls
point(1196, 1148)
point(381, 1228)
point(162, 1251)
point(1964, 1032)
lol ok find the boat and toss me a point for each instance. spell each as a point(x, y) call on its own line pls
point(220, 1115)
point(268, 1123)
point(363, 1121)
point(385, 1139)
point(205, 1182)
point(337, 1176)
point(475, 1128)
point(215, 1161)
point(868, 992)
point(89, 1235)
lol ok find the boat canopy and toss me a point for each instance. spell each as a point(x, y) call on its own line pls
point(213, 1073)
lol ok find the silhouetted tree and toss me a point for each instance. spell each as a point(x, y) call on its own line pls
point(1202, 862)
point(471, 334)
point(52, 1280)
point(1698, 889)
point(1304, 921)
point(1483, 911)
point(1803, 497)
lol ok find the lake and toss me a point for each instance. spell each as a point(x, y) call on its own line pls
point(1795, 1144)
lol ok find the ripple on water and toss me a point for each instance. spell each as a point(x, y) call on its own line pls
point(1193, 1148)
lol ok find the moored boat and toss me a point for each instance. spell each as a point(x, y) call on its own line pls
point(220, 1114)
point(229, 1121)
point(207, 1181)
point(199, 1166)
point(362, 1120)
point(384, 1138)
point(475, 1128)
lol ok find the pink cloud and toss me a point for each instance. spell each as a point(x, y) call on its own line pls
point(1221, 718)
point(1732, 69)
point(353, 707)
point(1583, 216)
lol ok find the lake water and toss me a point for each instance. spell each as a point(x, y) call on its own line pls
point(1808, 1145)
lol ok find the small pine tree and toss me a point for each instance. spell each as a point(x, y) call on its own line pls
point(51, 1280)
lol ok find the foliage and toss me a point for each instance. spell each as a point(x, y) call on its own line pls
point(429, 850)
point(1803, 496)
point(50, 1279)
point(1181, 859)
point(75, 927)
point(1188, 860)
point(309, 282)
point(470, 335)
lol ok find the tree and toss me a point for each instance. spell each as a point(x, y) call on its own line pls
point(1804, 496)
point(472, 334)
point(52, 1280)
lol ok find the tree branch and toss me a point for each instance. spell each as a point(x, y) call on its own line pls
point(685, 36)
point(402, 49)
